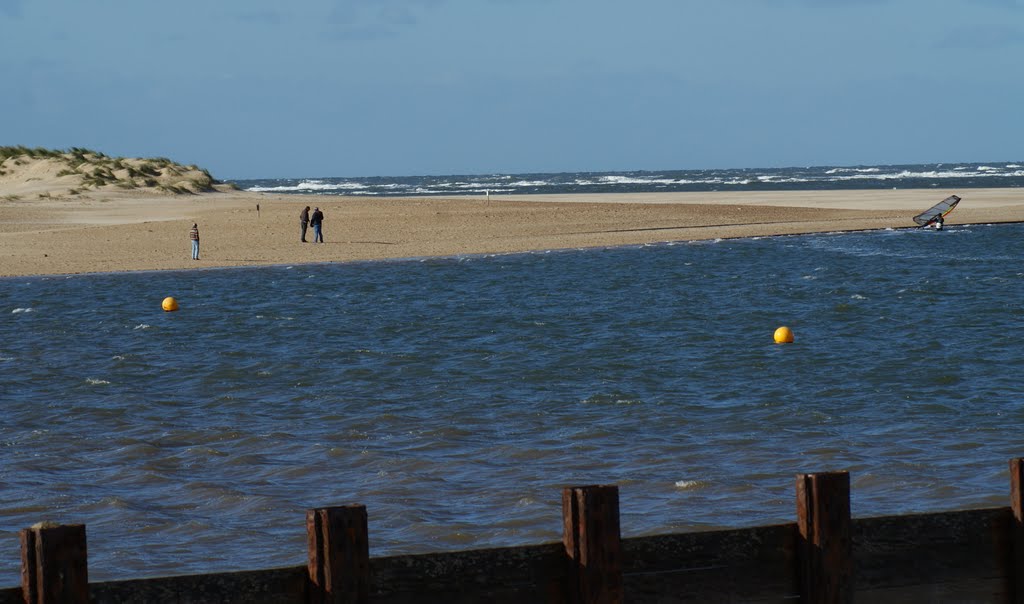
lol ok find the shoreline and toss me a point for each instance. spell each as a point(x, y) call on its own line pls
point(113, 232)
point(219, 267)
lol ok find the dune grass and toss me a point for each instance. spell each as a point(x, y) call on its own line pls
point(96, 170)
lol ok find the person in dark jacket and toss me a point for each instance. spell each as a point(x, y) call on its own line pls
point(316, 221)
point(303, 223)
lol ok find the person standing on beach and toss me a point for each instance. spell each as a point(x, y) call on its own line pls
point(194, 236)
point(316, 220)
point(303, 223)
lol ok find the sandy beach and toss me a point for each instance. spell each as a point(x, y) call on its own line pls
point(104, 231)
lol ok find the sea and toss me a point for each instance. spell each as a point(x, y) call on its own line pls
point(910, 176)
point(457, 396)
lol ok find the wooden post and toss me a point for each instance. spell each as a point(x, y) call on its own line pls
point(1017, 505)
point(824, 548)
point(339, 555)
point(54, 566)
point(590, 517)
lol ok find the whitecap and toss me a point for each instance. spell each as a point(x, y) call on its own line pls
point(531, 183)
point(142, 326)
point(310, 185)
point(854, 170)
point(689, 484)
point(95, 382)
point(630, 180)
point(20, 310)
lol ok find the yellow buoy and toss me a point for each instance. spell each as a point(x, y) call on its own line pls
point(170, 304)
point(783, 335)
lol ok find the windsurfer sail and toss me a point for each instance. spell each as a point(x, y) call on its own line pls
point(940, 209)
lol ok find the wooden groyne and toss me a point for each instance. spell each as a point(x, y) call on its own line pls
point(824, 557)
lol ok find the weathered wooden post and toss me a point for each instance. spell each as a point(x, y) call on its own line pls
point(54, 568)
point(590, 517)
point(339, 555)
point(1017, 505)
point(824, 547)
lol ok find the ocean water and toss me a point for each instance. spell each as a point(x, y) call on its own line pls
point(911, 176)
point(456, 397)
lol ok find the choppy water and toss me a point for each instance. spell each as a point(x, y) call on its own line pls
point(456, 397)
point(909, 176)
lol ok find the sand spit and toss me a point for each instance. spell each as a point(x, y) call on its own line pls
point(45, 229)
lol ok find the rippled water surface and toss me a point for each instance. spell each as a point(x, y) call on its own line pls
point(456, 397)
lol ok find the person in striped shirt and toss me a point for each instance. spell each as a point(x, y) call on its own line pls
point(194, 236)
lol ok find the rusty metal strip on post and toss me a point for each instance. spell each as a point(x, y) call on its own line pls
point(54, 565)
point(825, 551)
point(592, 541)
point(339, 555)
point(1016, 570)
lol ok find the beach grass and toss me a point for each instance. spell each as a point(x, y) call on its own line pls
point(96, 170)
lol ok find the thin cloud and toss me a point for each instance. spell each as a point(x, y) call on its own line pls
point(1006, 3)
point(984, 37)
point(11, 8)
point(376, 19)
point(824, 3)
point(373, 13)
point(349, 33)
point(267, 17)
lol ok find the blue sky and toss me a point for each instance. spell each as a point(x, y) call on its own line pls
point(253, 88)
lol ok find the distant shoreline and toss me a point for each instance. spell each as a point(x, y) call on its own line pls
point(104, 232)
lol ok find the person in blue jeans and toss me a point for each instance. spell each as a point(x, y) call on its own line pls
point(316, 221)
point(194, 236)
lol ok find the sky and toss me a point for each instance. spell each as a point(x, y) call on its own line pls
point(319, 88)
